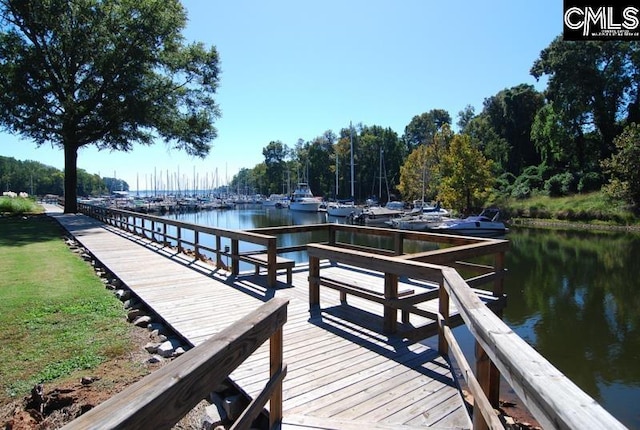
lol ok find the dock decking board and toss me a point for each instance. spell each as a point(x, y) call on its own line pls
point(342, 371)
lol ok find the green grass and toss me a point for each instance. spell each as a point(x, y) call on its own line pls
point(56, 317)
point(19, 205)
point(585, 208)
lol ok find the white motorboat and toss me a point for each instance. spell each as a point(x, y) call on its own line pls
point(486, 224)
point(276, 201)
point(303, 200)
point(378, 216)
point(420, 218)
point(343, 209)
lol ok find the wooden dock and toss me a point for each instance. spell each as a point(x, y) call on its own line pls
point(343, 372)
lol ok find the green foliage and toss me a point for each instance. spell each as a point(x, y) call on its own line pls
point(531, 179)
point(589, 181)
point(624, 167)
point(38, 179)
point(466, 176)
point(105, 73)
point(592, 85)
point(18, 205)
point(594, 207)
point(274, 159)
point(423, 128)
point(559, 185)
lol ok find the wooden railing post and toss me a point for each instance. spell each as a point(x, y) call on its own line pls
point(390, 313)
point(314, 286)
point(235, 261)
point(332, 235)
point(398, 243)
point(179, 238)
point(276, 366)
point(272, 254)
point(483, 375)
point(443, 310)
point(218, 251)
point(196, 243)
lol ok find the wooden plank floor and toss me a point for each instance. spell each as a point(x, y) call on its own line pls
point(342, 371)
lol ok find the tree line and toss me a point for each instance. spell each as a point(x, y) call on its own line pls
point(577, 135)
point(39, 179)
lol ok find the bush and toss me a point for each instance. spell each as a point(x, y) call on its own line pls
point(559, 185)
point(18, 205)
point(590, 181)
point(520, 191)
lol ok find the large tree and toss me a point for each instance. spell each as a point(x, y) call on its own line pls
point(623, 167)
point(594, 87)
point(466, 175)
point(423, 128)
point(274, 159)
point(109, 73)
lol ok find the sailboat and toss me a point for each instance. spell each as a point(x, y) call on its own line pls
point(347, 207)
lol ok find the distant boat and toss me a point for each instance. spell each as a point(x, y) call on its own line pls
point(303, 200)
point(276, 201)
point(486, 224)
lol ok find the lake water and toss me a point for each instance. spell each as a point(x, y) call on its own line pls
point(573, 295)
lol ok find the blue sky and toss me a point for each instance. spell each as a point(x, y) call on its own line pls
point(294, 69)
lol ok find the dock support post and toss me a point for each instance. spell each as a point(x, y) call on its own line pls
point(390, 313)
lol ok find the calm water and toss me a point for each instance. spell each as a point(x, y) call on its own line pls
point(574, 296)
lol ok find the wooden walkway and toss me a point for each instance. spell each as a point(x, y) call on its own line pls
point(343, 372)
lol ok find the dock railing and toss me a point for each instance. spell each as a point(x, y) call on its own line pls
point(162, 398)
point(188, 237)
point(554, 400)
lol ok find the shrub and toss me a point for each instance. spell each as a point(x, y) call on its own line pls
point(559, 185)
point(590, 181)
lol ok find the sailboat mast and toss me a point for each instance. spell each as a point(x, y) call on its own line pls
point(352, 175)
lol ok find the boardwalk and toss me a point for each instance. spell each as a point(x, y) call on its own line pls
point(343, 372)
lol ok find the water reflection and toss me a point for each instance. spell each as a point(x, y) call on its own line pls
point(574, 296)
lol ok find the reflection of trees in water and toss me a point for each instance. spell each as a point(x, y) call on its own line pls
point(584, 289)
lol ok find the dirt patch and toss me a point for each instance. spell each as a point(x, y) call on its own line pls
point(52, 406)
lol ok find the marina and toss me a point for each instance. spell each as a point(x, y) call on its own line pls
point(250, 284)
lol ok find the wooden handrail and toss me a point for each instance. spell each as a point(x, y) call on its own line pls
point(554, 400)
point(120, 219)
point(162, 398)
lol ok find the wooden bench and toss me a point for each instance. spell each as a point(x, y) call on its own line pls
point(405, 300)
point(262, 260)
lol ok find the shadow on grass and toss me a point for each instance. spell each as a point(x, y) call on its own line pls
point(20, 230)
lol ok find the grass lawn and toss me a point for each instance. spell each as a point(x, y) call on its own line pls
point(56, 316)
point(588, 208)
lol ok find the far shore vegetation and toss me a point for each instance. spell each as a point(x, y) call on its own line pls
point(56, 316)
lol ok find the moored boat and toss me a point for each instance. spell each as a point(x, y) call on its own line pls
point(303, 200)
point(343, 209)
point(276, 201)
point(486, 224)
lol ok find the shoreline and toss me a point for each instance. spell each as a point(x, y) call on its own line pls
point(569, 225)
